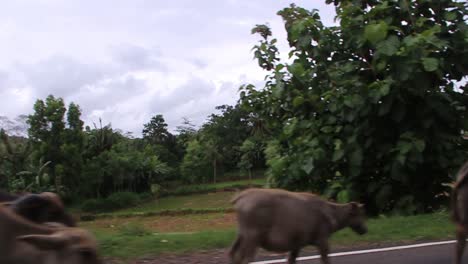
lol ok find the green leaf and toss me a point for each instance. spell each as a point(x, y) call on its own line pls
point(343, 196)
point(296, 29)
point(404, 147)
point(376, 32)
point(401, 159)
point(298, 101)
point(430, 64)
point(389, 46)
point(308, 165)
point(385, 89)
point(327, 129)
point(356, 158)
point(279, 67)
point(420, 145)
point(353, 100)
point(296, 69)
point(411, 40)
point(338, 143)
point(338, 154)
point(278, 89)
point(348, 101)
point(450, 16)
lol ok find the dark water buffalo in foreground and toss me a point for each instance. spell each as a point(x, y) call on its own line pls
point(460, 210)
point(283, 221)
point(7, 197)
point(25, 242)
point(40, 208)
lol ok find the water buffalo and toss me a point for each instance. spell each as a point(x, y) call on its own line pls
point(460, 210)
point(7, 197)
point(40, 208)
point(25, 242)
point(43, 207)
point(282, 221)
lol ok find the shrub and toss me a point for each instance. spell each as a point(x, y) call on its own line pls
point(121, 200)
point(112, 202)
point(92, 205)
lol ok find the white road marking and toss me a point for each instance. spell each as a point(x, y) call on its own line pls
point(367, 251)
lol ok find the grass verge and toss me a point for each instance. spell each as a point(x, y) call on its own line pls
point(213, 187)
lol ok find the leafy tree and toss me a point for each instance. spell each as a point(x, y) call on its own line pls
point(73, 147)
point(46, 129)
point(99, 140)
point(185, 132)
point(196, 165)
point(212, 153)
point(156, 130)
point(14, 155)
point(368, 109)
point(224, 134)
point(252, 153)
point(28, 180)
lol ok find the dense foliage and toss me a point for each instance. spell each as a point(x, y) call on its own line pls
point(368, 109)
point(60, 155)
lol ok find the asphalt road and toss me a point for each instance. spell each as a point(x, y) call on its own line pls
point(432, 254)
point(440, 254)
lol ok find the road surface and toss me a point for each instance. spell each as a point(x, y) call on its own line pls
point(427, 254)
point(424, 253)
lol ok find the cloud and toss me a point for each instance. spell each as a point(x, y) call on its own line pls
point(125, 61)
point(59, 75)
point(133, 57)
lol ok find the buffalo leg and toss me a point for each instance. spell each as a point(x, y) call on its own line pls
point(292, 256)
point(246, 252)
point(461, 241)
point(235, 247)
point(323, 249)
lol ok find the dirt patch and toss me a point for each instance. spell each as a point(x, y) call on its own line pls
point(169, 224)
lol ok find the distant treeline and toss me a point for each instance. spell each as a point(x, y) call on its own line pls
point(60, 154)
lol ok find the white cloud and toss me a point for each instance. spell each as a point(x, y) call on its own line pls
point(124, 61)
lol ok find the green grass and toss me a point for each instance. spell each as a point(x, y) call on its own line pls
point(228, 184)
point(130, 243)
point(211, 200)
point(400, 229)
point(212, 187)
point(123, 245)
point(201, 196)
point(195, 201)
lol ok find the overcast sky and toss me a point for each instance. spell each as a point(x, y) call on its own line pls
point(125, 61)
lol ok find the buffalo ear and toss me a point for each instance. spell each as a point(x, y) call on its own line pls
point(354, 208)
point(44, 242)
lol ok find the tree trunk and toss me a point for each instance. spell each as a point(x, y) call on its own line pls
point(250, 177)
point(214, 171)
point(58, 183)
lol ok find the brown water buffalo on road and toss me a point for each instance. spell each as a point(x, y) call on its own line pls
point(460, 210)
point(282, 221)
point(7, 197)
point(40, 208)
point(25, 242)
